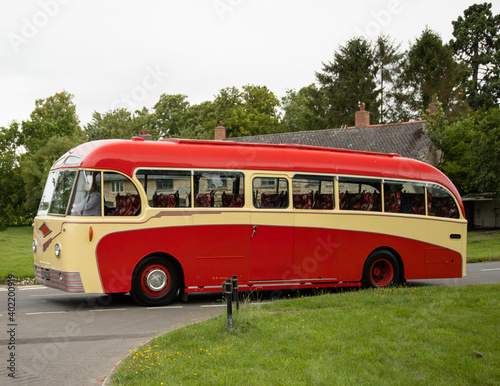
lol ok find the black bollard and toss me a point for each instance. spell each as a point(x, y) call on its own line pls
point(228, 291)
point(236, 296)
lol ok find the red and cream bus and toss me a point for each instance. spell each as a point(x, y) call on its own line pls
point(169, 217)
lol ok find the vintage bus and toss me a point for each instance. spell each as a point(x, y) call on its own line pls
point(161, 219)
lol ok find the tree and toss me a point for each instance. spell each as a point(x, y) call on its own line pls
point(304, 109)
point(252, 111)
point(117, 123)
point(429, 70)
point(52, 130)
point(170, 112)
point(52, 117)
point(200, 121)
point(388, 58)
point(13, 196)
point(349, 80)
point(144, 120)
point(471, 148)
point(477, 44)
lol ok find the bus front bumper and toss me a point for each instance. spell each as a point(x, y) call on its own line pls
point(64, 281)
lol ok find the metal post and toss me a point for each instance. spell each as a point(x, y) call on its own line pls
point(236, 297)
point(228, 291)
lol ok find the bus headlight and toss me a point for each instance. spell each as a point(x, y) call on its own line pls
point(57, 250)
point(33, 245)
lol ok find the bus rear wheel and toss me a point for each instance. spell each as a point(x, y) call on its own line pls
point(155, 282)
point(381, 270)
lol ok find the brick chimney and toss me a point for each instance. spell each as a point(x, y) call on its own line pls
point(362, 117)
point(146, 135)
point(432, 107)
point(219, 132)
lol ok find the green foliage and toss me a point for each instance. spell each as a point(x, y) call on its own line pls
point(52, 117)
point(429, 70)
point(388, 58)
point(471, 148)
point(117, 123)
point(252, 111)
point(52, 130)
point(485, 147)
point(477, 44)
point(349, 80)
point(304, 109)
point(12, 197)
point(170, 112)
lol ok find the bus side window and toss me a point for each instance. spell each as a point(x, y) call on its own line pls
point(270, 192)
point(120, 196)
point(360, 194)
point(312, 192)
point(404, 197)
point(166, 188)
point(441, 203)
point(219, 189)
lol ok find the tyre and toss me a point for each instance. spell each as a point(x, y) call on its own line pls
point(381, 270)
point(155, 282)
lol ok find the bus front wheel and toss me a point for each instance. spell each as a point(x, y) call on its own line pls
point(155, 282)
point(381, 269)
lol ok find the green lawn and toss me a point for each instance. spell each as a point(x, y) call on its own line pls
point(483, 246)
point(399, 336)
point(16, 256)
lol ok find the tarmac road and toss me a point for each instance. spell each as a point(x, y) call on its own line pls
point(76, 339)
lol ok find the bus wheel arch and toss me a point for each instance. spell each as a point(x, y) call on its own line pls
point(383, 268)
point(156, 280)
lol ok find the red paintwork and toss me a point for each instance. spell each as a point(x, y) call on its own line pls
point(127, 155)
point(313, 261)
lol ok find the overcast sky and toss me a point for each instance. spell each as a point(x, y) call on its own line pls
point(124, 53)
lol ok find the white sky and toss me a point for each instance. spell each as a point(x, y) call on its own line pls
point(123, 53)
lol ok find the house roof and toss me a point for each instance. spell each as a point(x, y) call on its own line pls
point(408, 139)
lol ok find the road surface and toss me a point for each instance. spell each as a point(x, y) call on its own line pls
point(76, 339)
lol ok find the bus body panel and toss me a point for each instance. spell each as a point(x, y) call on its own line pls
point(118, 253)
point(73, 239)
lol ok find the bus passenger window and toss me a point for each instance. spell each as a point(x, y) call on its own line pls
point(120, 196)
point(312, 192)
point(270, 192)
point(219, 189)
point(360, 194)
point(404, 197)
point(166, 188)
point(441, 203)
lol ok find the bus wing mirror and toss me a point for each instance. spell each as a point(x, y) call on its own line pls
point(88, 182)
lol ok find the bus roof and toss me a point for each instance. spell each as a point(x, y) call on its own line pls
point(128, 155)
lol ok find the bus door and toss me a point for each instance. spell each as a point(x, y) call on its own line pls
point(220, 227)
point(271, 230)
point(315, 244)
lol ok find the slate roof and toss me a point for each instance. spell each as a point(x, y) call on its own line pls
point(408, 139)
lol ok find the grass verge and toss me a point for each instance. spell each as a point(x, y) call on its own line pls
point(483, 246)
point(16, 256)
point(431, 335)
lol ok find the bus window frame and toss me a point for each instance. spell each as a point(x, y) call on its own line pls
point(275, 177)
point(331, 178)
